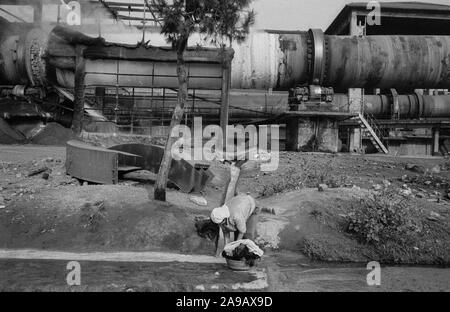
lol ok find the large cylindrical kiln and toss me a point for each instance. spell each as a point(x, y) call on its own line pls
point(342, 62)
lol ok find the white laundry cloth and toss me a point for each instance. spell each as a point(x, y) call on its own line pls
point(252, 247)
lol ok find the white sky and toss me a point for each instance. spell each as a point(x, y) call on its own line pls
point(271, 14)
point(284, 14)
point(304, 14)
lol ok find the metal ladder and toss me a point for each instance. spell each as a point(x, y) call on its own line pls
point(375, 134)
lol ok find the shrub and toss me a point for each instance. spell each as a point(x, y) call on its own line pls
point(382, 217)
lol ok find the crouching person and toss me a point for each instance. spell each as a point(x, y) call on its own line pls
point(239, 216)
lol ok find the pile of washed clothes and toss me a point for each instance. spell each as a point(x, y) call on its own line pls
point(244, 249)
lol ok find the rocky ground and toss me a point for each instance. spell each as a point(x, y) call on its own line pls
point(312, 195)
point(427, 178)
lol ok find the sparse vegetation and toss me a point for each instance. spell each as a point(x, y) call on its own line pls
point(93, 216)
point(382, 217)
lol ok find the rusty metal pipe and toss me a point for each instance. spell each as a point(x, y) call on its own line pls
point(401, 62)
point(342, 62)
point(38, 58)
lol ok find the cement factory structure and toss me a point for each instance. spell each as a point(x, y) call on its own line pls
point(351, 88)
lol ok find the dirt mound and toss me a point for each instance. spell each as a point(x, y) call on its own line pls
point(53, 134)
point(314, 223)
point(8, 135)
point(101, 218)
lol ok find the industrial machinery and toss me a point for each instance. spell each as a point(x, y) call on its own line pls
point(311, 97)
point(400, 62)
point(38, 63)
point(304, 79)
point(34, 58)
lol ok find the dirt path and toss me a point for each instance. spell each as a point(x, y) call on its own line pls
point(161, 257)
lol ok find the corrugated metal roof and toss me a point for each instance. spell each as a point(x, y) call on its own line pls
point(405, 7)
point(412, 5)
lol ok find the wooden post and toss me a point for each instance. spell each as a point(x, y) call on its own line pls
point(225, 98)
point(78, 108)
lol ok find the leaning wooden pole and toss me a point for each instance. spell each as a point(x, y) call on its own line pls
point(163, 173)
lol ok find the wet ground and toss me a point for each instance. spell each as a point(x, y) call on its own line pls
point(289, 272)
point(277, 272)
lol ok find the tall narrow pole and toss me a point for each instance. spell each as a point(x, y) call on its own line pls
point(37, 13)
point(79, 92)
point(225, 97)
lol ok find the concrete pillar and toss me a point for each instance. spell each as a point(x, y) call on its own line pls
point(355, 98)
point(329, 133)
point(355, 140)
point(291, 134)
point(312, 135)
point(435, 145)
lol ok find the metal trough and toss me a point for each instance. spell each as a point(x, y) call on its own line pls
point(185, 176)
point(101, 165)
point(93, 164)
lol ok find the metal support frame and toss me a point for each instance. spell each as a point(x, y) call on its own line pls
point(395, 109)
point(161, 99)
point(318, 39)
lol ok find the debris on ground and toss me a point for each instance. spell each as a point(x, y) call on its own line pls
point(415, 168)
point(37, 171)
point(200, 201)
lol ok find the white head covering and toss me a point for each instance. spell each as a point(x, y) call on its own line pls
point(219, 214)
